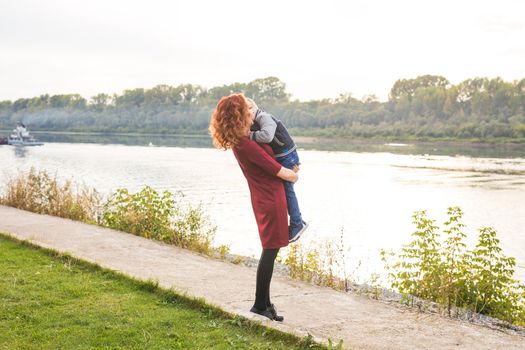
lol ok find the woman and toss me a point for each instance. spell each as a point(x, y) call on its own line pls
point(230, 127)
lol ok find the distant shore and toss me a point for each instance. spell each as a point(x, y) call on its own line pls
point(301, 135)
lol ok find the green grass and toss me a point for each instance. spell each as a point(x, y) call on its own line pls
point(50, 300)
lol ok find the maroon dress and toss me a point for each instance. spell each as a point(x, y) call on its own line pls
point(267, 191)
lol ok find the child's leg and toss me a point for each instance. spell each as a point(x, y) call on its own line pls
point(293, 205)
point(289, 161)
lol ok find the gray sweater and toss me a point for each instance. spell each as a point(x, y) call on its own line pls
point(267, 129)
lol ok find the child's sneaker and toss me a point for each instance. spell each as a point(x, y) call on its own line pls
point(296, 232)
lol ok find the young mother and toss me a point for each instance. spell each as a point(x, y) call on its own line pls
point(229, 127)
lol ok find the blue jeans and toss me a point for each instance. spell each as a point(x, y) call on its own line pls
point(288, 161)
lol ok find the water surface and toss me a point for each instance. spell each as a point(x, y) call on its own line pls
point(368, 198)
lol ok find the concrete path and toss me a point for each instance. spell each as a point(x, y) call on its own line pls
point(362, 323)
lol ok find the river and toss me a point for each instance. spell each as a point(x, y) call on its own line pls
point(358, 194)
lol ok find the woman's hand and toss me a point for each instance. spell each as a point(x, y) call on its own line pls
point(288, 175)
point(296, 168)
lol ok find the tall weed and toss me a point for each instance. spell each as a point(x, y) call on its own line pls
point(39, 192)
point(162, 216)
point(440, 267)
point(321, 266)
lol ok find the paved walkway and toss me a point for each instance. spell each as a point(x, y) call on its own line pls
point(362, 323)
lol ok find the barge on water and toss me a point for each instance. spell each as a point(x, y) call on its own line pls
point(20, 137)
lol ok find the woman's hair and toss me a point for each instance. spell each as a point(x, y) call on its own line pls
point(230, 121)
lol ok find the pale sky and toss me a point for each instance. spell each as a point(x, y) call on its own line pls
point(320, 49)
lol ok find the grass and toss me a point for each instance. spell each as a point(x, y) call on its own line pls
point(50, 300)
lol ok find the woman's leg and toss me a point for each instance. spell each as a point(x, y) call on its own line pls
point(264, 277)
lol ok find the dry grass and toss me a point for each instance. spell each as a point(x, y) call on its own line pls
point(319, 267)
point(39, 192)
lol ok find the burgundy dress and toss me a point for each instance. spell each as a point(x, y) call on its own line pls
point(267, 191)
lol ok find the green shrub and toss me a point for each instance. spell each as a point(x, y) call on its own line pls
point(152, 215)
point(441, 269)
point(146, 213)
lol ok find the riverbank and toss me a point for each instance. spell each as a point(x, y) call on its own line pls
point(486, 148)
point(303, 135)
point(361, 322)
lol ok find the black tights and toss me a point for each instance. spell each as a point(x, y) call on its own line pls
point(264, 277)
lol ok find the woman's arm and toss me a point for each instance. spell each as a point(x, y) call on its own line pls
point(255, 154)
point(288, 175)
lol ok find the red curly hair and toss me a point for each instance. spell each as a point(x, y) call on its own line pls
point(230, 121)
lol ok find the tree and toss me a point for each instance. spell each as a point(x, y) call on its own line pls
point(269, 89)
point(215, 93)
point(408, 87)
point(163, 95)
point(130, 98)
point(100, 100)
point(427, 106)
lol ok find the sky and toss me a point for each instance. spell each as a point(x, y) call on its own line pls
point(320, 49)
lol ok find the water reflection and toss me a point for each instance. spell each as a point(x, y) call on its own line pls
point(20, 151)
point(129, 139)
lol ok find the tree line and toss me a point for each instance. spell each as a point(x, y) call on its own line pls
point(425, 107)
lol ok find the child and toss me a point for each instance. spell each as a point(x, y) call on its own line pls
point(267, 129)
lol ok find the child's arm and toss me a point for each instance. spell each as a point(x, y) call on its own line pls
point(267, 131)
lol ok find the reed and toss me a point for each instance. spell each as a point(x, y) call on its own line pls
point(42, 193)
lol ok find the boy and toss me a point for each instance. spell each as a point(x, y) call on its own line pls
point(267, 129)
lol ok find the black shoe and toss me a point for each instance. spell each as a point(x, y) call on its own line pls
point(265, 313)
point(273, 311)
point(294, 232)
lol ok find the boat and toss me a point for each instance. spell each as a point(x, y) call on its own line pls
point(21, 137)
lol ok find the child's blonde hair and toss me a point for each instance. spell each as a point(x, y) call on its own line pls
point(252, 102)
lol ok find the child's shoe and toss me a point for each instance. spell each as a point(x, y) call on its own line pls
point(296, 232)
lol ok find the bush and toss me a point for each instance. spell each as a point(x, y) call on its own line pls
point(145, 213)
point(443, 270)
point(152, 215)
